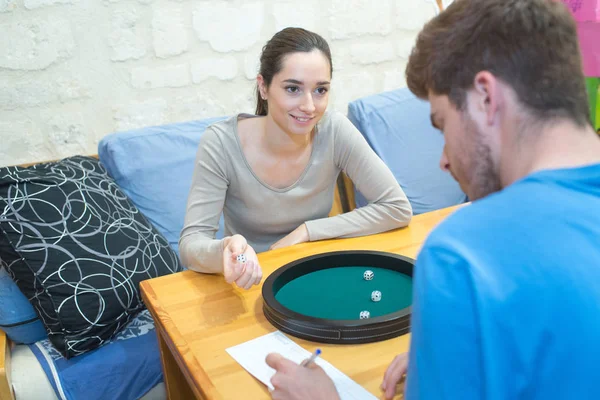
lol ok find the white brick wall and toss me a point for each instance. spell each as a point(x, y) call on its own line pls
point(229, 27)
point(172, 76)
point(35, 44)
point(168, 31)
point(372, 52)
point(31, 4)
point(126, 37)
point(223, 68)
point(72, 71)
point(7, 5)
point(352, 18)
point(304, 14)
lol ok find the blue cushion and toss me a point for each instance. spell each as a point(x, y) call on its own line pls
point(126, 367)
point(397, 126)
point(17, 316)
point(154, 167)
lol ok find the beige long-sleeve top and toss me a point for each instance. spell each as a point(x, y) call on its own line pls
point(224, 182)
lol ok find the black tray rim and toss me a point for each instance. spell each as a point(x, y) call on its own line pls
point(338, 331)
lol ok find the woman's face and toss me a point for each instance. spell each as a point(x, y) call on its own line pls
point(299, 93)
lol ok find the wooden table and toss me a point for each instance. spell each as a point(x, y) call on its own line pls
point(199, 316)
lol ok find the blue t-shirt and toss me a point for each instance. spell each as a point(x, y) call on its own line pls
point(507, 295)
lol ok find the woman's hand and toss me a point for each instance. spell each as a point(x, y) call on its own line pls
point(244, 274)
point(394, 374)
point(298, 235)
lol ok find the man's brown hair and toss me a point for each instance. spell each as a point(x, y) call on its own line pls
point(531, 45)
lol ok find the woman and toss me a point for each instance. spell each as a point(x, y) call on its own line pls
point(273, 174)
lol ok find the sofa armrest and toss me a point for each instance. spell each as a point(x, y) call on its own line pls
point(6, 391)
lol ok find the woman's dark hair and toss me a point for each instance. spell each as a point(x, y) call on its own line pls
point(286, 41)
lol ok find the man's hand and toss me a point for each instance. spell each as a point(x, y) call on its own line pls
point(394, 374)
point(247, 274)
point(292, 381)
point(298, 235)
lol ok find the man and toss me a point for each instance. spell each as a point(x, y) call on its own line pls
point(507, 290)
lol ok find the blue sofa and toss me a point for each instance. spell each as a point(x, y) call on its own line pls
point(397, 126)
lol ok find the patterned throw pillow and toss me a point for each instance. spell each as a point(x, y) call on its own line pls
point(78, 248)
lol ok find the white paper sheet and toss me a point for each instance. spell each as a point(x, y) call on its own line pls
point(251, 355)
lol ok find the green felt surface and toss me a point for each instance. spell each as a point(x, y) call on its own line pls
point(342, 293)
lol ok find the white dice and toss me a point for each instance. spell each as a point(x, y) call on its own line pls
point(364, 314)
point(241, 258)
point(368, 275)
point(375, 295)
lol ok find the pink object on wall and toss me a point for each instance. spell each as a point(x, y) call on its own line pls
point(584, 10)
point(587, 15)
point(589, 41)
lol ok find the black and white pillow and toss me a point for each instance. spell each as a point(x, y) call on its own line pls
point(78, 248)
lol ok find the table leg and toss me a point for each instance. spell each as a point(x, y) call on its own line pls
point(175, 382)
point(6, 391)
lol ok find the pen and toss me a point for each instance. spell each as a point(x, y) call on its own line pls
point(312, 358)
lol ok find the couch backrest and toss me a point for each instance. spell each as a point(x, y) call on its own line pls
point(397, 126)
point(154, 168)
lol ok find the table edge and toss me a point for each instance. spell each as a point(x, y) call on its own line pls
point(201, 385)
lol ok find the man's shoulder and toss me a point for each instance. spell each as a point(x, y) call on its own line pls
point(526, 205)
point(475, 215)
point(495, 218)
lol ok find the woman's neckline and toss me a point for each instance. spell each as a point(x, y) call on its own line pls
point(241, 116)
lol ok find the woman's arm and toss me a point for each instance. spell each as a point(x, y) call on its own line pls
point(388, 206)
point(198, 248)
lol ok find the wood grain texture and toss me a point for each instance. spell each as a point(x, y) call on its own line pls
point(183, 375)
point(200, 316)
point(175, 381)
point(6, 392)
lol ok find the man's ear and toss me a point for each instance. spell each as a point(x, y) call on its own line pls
point(487, 95)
